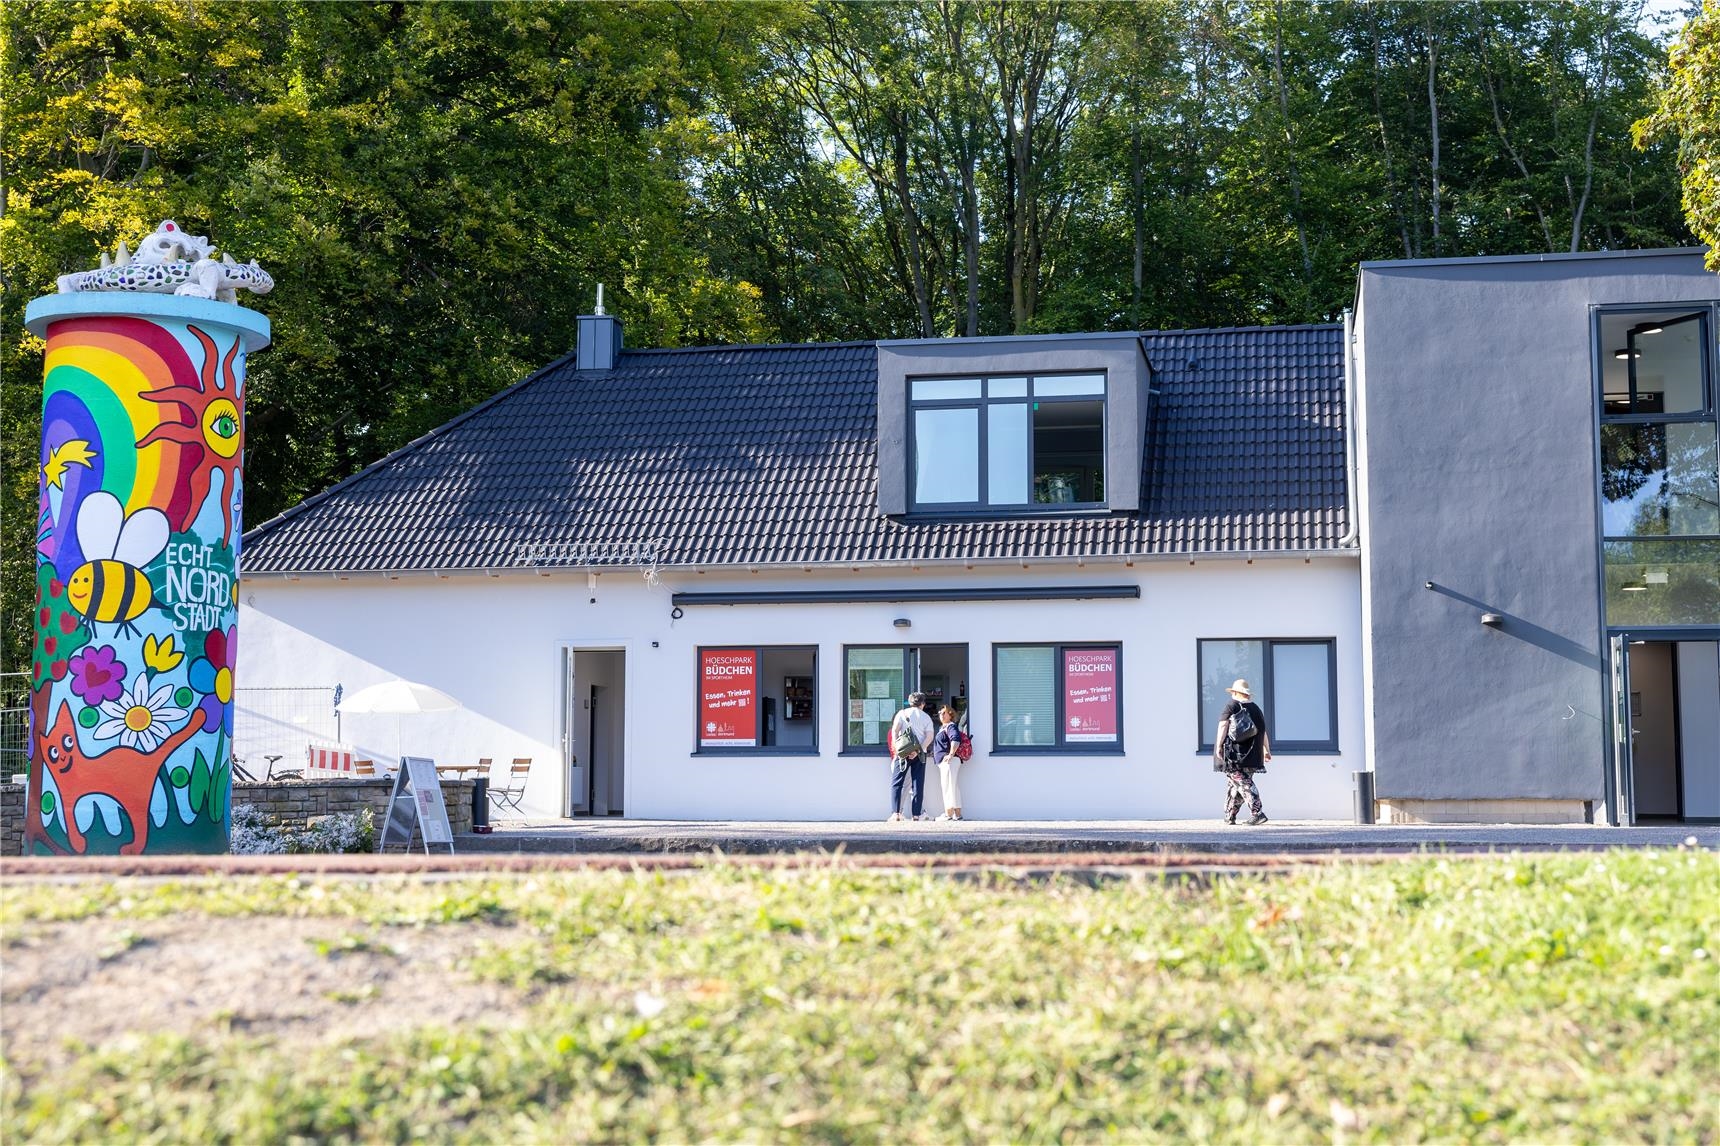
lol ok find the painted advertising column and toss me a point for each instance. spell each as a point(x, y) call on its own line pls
point(137, 550)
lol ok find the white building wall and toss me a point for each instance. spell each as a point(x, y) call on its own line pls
point(495, 643)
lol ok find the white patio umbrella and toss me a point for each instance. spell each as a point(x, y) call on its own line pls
point(400, 698)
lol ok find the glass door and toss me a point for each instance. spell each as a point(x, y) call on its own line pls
point(1623, 732)
point(577, 771)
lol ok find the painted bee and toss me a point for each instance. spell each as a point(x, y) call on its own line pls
point(110, 585)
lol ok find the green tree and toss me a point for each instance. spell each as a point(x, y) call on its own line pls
point(1688, 110)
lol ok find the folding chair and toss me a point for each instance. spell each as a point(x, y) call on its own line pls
point(507, 798)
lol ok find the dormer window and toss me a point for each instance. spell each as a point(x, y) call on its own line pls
point(1016, 441)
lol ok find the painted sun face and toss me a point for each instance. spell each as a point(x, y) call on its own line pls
point(221, 427)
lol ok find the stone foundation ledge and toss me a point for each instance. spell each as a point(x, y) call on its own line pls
point(1393, 811)
point(293, 803)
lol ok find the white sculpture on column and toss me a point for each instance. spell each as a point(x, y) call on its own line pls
point(171, 262)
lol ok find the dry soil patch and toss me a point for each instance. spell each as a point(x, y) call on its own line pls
point(290, 980)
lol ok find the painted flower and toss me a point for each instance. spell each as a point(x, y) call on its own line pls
point(160, 655)
point(212, 675)
point(140, 718)
point(97, 675)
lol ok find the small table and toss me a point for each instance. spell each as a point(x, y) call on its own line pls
point(460, 770)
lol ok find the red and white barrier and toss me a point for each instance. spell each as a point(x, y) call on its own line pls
point(329, 760)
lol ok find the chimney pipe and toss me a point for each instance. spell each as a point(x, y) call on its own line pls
point(599, 338)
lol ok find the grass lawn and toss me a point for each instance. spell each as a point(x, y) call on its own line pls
point(1534, 998)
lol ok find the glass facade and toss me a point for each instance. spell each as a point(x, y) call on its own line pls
point(1659, 468)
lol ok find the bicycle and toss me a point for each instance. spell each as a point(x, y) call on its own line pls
point(243, 775)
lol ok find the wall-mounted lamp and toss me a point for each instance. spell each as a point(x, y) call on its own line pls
point(1493, 620)
point(901, 622)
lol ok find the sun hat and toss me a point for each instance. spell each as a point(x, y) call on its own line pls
point(1240, 688)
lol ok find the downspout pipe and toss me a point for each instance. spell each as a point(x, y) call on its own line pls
point(1353, 533)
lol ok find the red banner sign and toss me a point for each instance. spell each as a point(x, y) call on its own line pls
point(728, 698)
point(1090, 695)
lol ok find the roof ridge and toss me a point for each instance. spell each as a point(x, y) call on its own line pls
point(721, 346)
point(316, 499)
point(1243, 329)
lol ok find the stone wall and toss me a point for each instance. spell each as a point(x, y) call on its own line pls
point(291, 802)
point(294, 802)
point(11, 819)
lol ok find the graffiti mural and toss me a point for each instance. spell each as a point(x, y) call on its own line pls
point(139, 512)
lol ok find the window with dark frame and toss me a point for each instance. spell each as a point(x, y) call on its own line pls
point(1057, 698)
point(757, 699)
point(1659, 466)
point(1294, 681)
point(1019, 441)
point(880, 677)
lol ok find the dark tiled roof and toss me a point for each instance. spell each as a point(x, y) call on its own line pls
point(765, 455)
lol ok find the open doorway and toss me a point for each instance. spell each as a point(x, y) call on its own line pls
point(1669, 701)
point(594, 731)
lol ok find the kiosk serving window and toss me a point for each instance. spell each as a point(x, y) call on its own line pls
point(758, 699)
point(1058, 698)
point(880, 677)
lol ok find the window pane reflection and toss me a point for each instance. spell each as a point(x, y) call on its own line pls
point(1663, 582)
point(1006, 447)
point(946, 456)
point(1222, 663)
point(1660, 479)
point(943, 389)
point(1301, 693)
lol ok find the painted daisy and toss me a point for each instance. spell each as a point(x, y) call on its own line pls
point(139, 719)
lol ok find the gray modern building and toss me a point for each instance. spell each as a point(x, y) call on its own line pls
point(1540, 513)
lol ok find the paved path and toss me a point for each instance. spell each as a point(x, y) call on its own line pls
point(1088, 836)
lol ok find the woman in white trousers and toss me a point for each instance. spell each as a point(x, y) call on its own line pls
point(949, 764)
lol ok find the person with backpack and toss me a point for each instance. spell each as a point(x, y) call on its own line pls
point(910, 739)
point(951, 748)
point(1240, 751)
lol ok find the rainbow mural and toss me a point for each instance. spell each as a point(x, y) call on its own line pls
point(138, 526)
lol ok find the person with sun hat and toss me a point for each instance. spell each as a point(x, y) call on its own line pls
point(1240, 755)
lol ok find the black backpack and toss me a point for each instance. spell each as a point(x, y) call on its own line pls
point(1242, 726)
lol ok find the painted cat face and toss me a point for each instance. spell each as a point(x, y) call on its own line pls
point(60, 742)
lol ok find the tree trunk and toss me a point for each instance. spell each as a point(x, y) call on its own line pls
point(1433, 121)
point(1392, 187)
point(1136, 209)
point(911, 230)
point(1289, 140)
point(1589, 144)
point(1499, 126)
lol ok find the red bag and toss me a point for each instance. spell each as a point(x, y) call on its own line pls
point(964, 745)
